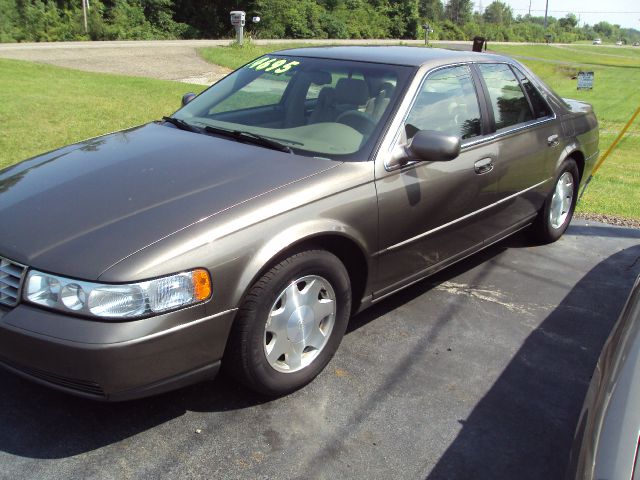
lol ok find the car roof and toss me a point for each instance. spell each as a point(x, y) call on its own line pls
point(393, 55)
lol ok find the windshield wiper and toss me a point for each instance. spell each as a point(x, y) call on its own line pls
point(249, 137)
point(181, 124)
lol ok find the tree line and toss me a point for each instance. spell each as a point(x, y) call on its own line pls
point(63, 20)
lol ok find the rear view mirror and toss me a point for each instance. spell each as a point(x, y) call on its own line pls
point(187, 97)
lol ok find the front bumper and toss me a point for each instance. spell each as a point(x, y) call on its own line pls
point(113, 360)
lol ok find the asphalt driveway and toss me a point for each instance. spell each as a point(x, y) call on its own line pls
point(477, 373)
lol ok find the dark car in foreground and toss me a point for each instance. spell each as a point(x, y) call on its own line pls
point(607, 437)
point(246, 229)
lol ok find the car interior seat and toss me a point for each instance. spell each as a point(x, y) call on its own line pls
point(377, 105)
point(349, 94)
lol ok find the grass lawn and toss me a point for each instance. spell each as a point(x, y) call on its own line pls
point(615, 190)
point(44, 107)
point(233, 56)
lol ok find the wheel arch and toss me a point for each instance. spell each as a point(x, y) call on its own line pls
point(349, 249)
point(578, 156)
point(574, 152)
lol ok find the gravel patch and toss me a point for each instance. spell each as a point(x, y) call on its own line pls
point(609, 219)
point(165, 62)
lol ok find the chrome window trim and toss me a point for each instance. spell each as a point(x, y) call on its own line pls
point(414, 90)
point(516, 129)
point(452, 222)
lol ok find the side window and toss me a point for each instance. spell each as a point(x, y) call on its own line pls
point(266, 89)
point(540, 107)
point(447, 103)
point(510, 106)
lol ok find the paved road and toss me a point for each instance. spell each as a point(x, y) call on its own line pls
point(477, 373)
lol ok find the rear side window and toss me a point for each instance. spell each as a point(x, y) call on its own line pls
point(510, 106)
point(540, 107)
point(447, 103)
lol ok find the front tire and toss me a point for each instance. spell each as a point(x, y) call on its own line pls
point(290, 323)
point(557, 211)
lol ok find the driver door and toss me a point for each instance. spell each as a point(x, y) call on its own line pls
point(431, 213)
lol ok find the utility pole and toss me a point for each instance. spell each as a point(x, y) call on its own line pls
point(84, 15)
point(546, 10)
point(529, 7)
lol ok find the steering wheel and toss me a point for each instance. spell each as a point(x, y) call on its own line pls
point(360, 121)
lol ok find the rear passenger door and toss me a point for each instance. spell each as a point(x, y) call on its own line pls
point(526, 137)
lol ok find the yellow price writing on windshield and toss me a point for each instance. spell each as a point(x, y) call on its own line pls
point(272, 64)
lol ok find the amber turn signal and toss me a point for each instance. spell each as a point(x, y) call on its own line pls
point(201, 284)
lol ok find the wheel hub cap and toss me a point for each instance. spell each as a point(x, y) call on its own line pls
point(300, 324)
point(561, 201)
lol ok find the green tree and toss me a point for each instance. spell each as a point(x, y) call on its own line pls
point(286, 19)
point(405, 18)
point(432, 10)
point(8, 18)
point(498, 12)
point(351, 13)
point(458, 11)
point(569, 22)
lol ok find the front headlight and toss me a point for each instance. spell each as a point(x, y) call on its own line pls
point(118, 301)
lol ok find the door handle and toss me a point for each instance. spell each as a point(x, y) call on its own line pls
point(483, 166)
point(553, 140)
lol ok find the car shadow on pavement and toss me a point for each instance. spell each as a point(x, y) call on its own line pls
point(38, 422)
point(523, 426)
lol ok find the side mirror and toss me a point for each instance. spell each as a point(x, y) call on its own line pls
point(427, 146)
point(187, 97)
point(433, 146)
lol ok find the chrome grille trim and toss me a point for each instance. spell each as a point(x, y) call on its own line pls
point(11, 276)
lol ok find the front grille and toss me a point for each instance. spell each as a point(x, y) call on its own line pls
point(11, 274)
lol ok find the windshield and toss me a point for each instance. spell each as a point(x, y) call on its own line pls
point(315, 106)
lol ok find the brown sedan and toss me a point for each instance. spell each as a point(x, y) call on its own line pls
point(247, 228)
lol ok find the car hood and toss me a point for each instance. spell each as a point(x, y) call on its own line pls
point(79, 210)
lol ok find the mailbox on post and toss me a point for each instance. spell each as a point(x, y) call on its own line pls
point(237, 20)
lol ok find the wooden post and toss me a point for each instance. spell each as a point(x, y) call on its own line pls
point(84, 15)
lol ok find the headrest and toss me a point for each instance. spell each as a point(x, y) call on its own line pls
point(388, 88)
point(319, 77)
point(352, 91)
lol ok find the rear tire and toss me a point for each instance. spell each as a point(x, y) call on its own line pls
point(556, 213)
point(290, 323)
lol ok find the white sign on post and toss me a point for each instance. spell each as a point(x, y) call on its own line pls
point(585, 80)
point(237, 18)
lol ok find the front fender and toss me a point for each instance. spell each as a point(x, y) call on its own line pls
point(277, 247)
